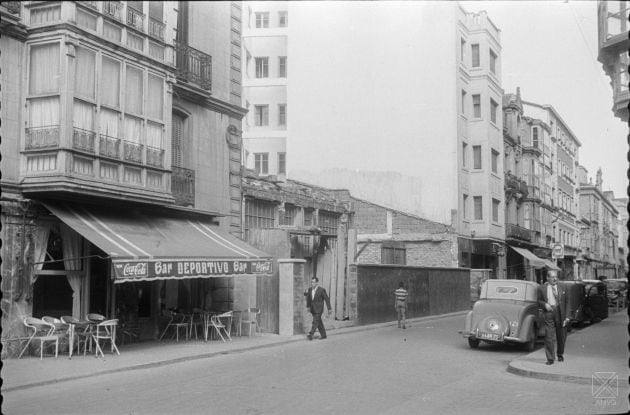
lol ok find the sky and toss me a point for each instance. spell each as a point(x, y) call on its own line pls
point(549, 50)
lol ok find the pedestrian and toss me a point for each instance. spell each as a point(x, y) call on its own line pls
point(400, 303)
point(553, 299)
point(315, 298)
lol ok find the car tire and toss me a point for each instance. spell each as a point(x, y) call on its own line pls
point(530, 345)
point(473, 342)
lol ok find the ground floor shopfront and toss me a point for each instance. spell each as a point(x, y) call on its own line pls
point(68, 259)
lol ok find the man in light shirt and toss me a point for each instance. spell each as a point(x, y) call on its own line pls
point(553, 299)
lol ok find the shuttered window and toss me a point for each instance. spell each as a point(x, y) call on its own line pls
point(177, 142)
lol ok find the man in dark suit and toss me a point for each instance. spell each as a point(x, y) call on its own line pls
point(553, 299)
point(315, 298)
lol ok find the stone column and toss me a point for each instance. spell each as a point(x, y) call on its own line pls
point(291, 298)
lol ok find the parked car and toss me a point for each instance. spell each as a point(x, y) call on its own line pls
point(617, 290)
point(596, 301)
point(507, 312)
point(576, 297)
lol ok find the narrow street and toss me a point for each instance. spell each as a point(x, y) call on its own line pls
point(427, 368)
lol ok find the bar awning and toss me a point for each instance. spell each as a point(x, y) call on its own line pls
point(551, 265)
point(534, 261)
point(144, 246)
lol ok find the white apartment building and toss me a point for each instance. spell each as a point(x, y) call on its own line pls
point(265, 70)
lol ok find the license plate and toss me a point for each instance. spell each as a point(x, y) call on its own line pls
point(488, 336)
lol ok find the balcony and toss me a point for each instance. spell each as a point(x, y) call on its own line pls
point(156, 29)
point(193, 65)
point(109, 146)
point(518, 232)
point(183, 186)
point(155, 157)
point(39, 138)
point(135, 18)
point(132, 152)
point(113, 9)
point(83, 140)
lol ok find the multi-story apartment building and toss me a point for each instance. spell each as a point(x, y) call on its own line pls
point(562, 185)
point(530, 209)
point(447, 153)
point(613, 44)
point(265, 74)
point(121, 158)
point(622, 231)
point(599, 238)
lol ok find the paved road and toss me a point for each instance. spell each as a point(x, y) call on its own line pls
point(427, 368)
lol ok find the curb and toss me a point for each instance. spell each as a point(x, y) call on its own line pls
point(166, 362)
point(548, 376)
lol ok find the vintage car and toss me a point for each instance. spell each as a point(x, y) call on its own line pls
point(617, 290)
point(507, 312)
point(576, 299)
point(596, 301)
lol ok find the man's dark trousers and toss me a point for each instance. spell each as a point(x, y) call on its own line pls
point(318, 324)
point(555, 334)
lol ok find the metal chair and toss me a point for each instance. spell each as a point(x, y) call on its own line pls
point(222, 322)
point(43, 332)
point(177, 321)
point(249, 317)
point(105, 330)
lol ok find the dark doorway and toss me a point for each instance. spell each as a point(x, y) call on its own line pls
point(52, 294)
point(99, 274)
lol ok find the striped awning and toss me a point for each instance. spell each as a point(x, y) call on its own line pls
point(534, 261)
point(145, 246)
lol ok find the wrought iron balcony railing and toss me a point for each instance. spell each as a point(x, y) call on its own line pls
point(156, 28)
point(132, 151)
point(42, 137)
point(193, 65)
point(83, 140)
point(109, 146)
point(183, 185)
point(155, 157)
point(113, 9)
point(135, 18)
point(518, 232)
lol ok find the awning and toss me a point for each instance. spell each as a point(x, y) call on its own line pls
point(145, 246)
point(551, 265)
point(534, 261)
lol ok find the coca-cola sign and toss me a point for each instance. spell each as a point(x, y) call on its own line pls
point(134, 269)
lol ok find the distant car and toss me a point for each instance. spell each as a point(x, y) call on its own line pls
point(596, 300)
point(507, 312)
point(617, 292)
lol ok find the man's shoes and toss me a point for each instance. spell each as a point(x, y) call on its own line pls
point(560, 359)
point(309, 336)
point(324, 337)
point(549, 362)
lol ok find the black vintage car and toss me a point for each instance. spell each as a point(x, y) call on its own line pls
point(576, 297)
point(596, 300)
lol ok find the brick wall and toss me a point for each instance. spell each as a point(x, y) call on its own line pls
point(369, 218)
point(402, 223)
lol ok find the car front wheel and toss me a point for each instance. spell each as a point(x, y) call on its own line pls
point(473, 342)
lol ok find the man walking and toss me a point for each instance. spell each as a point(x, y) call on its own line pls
point(400, 302)
point(554, 299)
point(315, 298)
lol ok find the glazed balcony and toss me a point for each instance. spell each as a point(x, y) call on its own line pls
point(183, 185)
point(513, 231)
point(155, 157)
point(109, 146)
point(156, 29)
point(193, 66)
point(135, 18)
point(132, 151)
point(83, 140)
point(38, 138)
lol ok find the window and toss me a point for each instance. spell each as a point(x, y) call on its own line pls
point(535, 137)
point(283, 19)
point(262, 115)
point(463, 102)
point(476, 157)
point(495, 161)
point(475, 55)
point(478, 206)
point(476, 106)
point(110, 85)
point(259, 214)
point(393, 254)
point(493, 62)
point(495, 210)
point(282, 114)
point(465, 155)
point(44, 72)
point(493, 110)
point(282, 163)
point(262, 67)
point(133, 90)
point(308, 217)
point(462, 51)
point(155, 97)
point(282, 66)
point(84, 80)
point(465, 207)
point(287, 217)
point(262, 20)
point(328, 222)
point(261, 163)
point(177, 141)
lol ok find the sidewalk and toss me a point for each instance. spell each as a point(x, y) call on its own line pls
point(598, 348)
